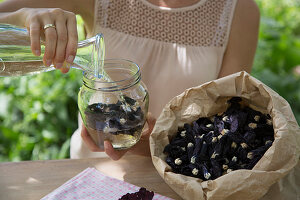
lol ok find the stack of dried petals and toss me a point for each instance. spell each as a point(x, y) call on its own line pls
point(142, 194)
point(211, 147)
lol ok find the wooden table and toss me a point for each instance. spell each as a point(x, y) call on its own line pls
point(35, 179)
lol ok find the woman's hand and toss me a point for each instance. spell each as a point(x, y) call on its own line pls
point(60, 42)
point(141, 148)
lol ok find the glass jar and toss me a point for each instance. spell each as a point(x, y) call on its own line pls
point(114, 110)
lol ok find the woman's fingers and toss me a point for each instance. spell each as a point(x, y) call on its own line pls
point(151, 123)
point(72, 38)
point(50, 37)
point(88, 140)
point(112, 153)
point(62, 38)
point(34, 31)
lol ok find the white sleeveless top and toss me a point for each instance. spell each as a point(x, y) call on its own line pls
point(176, 48)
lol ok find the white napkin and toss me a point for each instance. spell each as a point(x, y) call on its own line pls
point(91, 184)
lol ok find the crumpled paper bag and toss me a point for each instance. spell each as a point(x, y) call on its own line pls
point(209, 99)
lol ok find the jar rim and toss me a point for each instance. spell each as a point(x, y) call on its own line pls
point(89, 78)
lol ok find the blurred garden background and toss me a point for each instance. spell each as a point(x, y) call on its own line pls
point(38, 114)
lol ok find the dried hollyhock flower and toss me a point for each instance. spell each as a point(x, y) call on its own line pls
point(214, 155)
point(196, 128)
point(252, 125)
point(190, 150)
point(244, 145)
point(226, 161)
point(178, 161)
point(203, 152)
point(234, 159)
point(256, 118)
point(173, 150)
point(206, 174)
point(233, 145)
point(171, 163)
point(259, 151)
point(142, 194)
point(182, 134)
point(188, 128)
point(224, 131)
point(209, 125)
point(241, 154)
point(216, 169)
point(219, 124)
point(225, 167)
point(219, 137)
point(249, 137)
point(195, 171)
point(233, 164)
point(197, 149)
point(234, 123)
point(214, 139)
point(208, 137)
point(250, 155)
point(236, 137)
point(179, 142)
point(190, 145)
point(225, 119)
point(193, 159)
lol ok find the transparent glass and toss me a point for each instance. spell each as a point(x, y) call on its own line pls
point(114, 110)
point(16, 57)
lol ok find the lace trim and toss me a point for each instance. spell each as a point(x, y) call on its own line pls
point(206, 24)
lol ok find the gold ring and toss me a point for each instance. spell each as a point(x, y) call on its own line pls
point(49, 26)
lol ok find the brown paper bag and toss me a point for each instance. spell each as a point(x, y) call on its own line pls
point(209, 99)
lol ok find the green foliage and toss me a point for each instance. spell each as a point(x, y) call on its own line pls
point(279, 49)
point(38, 114)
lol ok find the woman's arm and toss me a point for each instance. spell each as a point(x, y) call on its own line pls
point(84, 8)
point(61, 42)
point(243, 38)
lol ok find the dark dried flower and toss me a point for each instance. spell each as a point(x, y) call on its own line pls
point(182, 134)
point(203, 153)
point(257, 118)
point(195, 171)
point(252, 125)
point(225, 167)
point(233, 145)
point(178, 161)
point(244, 145)
point(142, 194)
point(224, 131)
point(249, 137)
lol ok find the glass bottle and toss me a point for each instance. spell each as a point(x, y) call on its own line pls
point(114, 110)
point(16, 57)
